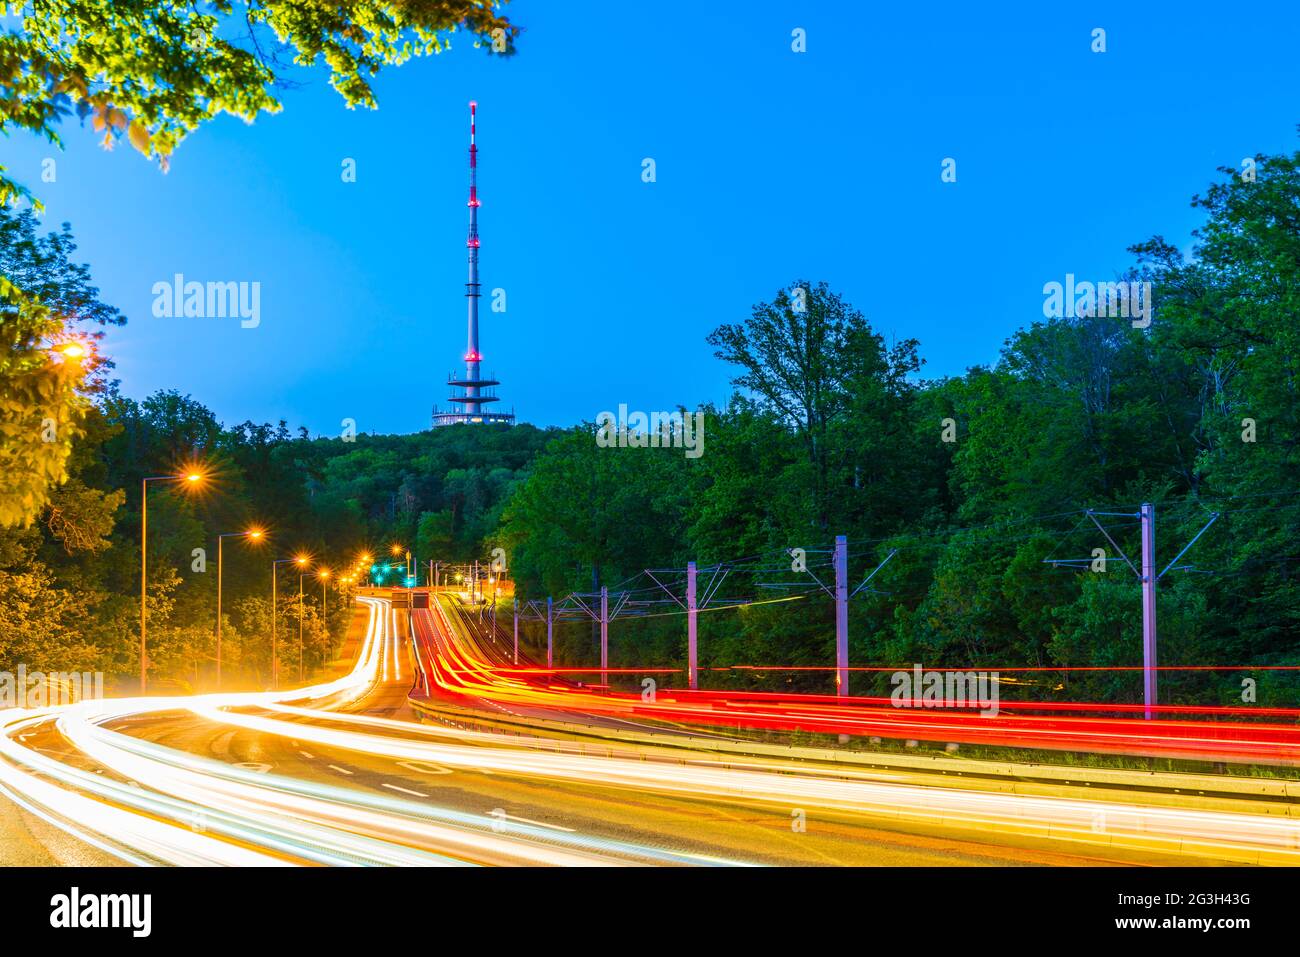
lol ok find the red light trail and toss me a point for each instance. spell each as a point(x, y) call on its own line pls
point(454, 668)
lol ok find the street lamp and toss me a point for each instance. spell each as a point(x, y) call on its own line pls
point(324, 575)
point(275, 658)
point(191, 478)
point(254, 534)
point(303, 562)
point(397, 552)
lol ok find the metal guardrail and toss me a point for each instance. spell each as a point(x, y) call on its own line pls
point(1225, 786)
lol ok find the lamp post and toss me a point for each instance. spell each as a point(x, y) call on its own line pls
point(275, 607)
point(302, 562)
point(300, 617)
point(188, 479)
point(253, 533)
point(324, 575)
point(397, 551)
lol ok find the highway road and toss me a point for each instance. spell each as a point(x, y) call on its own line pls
point(342, 773)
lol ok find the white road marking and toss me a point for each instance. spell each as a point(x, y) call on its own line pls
point(307, 756)
point(340, 770)
point(403, 790)
point(524, 820)
point(424, 767)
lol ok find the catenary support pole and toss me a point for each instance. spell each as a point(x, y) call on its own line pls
point(1149, 662)
point(604, 634)
point(841, 616)
point(692, 671)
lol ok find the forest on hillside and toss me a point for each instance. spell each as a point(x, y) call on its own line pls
point(970, 485)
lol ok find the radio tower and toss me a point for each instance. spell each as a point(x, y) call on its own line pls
point(477, 391)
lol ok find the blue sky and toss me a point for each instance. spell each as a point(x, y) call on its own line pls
point(771, 165)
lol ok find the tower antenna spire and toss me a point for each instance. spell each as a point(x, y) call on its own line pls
point(478, 391)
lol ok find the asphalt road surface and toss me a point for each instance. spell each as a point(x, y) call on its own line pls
point(343, 773)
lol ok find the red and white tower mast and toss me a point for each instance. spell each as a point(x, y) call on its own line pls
point(478, 391)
